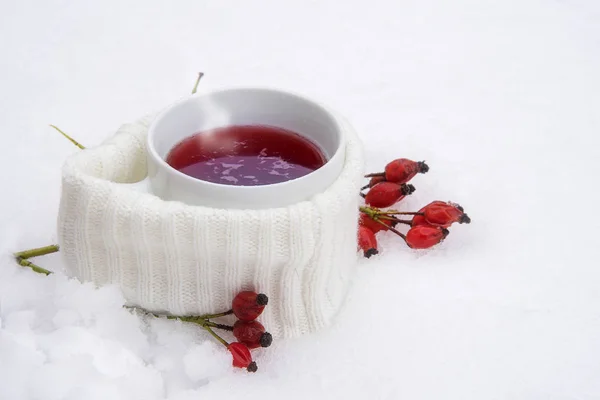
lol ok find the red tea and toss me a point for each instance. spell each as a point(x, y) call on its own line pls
point(246, 155)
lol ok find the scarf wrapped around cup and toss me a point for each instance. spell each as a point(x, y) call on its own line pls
point(174, 258)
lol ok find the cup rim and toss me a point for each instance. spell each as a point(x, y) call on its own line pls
point(151, 150)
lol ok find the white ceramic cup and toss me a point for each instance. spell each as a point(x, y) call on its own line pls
point(243, 106)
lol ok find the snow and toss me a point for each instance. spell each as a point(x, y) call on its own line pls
point(500, 97)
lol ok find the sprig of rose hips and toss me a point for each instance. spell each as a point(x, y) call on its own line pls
point(389, 187)
point(398, 171)
point(247, 306)
point(428, 226)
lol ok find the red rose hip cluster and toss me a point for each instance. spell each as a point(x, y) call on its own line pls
point(427, 227)
point(247, 306)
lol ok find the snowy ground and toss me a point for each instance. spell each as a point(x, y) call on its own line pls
point(500, 97)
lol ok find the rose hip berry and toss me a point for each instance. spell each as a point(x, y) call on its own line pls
point(420, 219)
point(248, 305)
point(386, 194)
point(252, 334)
point(374, 226)
point(367, 241)
point(428, 226)
point(445, 215)
point(403, 170)
point(425, 236)
point(440, 213)
point(241, 356)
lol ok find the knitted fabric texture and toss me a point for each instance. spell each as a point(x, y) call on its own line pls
point(169, 257)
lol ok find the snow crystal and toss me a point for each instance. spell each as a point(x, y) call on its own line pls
point(205, 361)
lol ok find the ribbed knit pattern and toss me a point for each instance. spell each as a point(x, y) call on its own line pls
point(169, 257)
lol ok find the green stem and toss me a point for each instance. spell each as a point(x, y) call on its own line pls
point(211, 316)
point(204, 322)
point(394, 212)
point(22, 258)
point(40, 251)
point(219, 338)
point(367, 210)
point(192, 319)
point(75, 142)
point(200, 320)
point(200, 75)
point(26, 263)
point(375, 212)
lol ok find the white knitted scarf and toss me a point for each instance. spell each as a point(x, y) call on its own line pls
point(169, 257)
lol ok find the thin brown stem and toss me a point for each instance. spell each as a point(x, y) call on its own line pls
point(392, 229)
point(399, 221)
point(219, 326)
point(402, 235)
point(362, 195)
point(75, 142)
point(375, 174)
point(200, 75)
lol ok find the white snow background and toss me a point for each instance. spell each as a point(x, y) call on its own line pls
point(502, 99)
